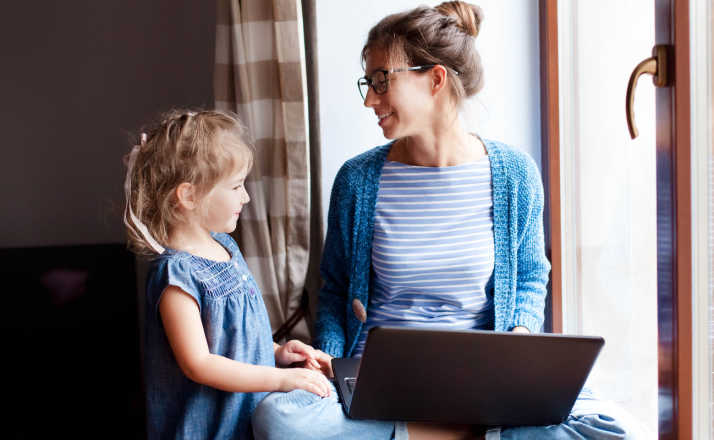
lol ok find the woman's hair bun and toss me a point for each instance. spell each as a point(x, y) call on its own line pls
point(442, 35)
point(468, 17)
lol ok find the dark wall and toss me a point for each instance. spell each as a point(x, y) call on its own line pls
point(77, 76)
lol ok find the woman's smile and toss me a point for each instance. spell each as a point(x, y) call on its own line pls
point(381, 118)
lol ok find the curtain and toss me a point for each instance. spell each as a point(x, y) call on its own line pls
point(317, 228)
point(260, 75)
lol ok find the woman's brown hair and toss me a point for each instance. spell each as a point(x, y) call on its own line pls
point(198, 147)
point(442, 35)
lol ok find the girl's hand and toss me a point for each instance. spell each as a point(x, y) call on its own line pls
point(305, 356)
point(296, 351)
point(325, 362)
point(304, 379)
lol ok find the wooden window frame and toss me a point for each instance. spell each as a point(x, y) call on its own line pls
point(682, 301)
point(550, 160)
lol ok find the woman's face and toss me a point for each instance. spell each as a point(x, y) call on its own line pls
point(406, 107)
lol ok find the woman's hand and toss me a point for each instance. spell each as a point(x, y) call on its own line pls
point(304, 379)
point(520, 329)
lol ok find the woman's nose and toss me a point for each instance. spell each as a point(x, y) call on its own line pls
point(371, 99)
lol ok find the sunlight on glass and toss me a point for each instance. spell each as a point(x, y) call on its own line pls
point(609, 198)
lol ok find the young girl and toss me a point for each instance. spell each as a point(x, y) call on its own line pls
point(210, 357)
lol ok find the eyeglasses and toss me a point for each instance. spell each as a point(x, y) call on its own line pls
point(379, 81)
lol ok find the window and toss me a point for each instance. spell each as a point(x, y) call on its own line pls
point(608, 198)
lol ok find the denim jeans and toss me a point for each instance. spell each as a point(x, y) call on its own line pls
point(303, 415)
point(590, 418)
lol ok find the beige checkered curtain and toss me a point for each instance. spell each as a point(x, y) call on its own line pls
point(259, 74)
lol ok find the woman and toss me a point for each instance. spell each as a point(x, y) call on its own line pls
point(437, 228)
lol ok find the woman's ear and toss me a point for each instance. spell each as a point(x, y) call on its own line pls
point(438, 78)
point(186, 196)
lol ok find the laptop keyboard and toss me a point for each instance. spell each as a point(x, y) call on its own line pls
point(351, 381)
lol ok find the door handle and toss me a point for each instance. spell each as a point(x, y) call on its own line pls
point(658, 66)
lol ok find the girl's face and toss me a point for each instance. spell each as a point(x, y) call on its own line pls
point(222, 205)
point(405, 108)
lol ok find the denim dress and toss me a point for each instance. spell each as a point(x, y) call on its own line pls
point(236, 325)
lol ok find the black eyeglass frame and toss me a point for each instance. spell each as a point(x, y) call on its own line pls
point(365, 80)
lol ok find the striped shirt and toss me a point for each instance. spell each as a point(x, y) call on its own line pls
point(433, 250)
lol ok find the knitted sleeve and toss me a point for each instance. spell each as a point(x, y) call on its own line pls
point(532, 265)
point(335, 267)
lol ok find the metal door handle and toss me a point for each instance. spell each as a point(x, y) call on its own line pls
point(657, 66)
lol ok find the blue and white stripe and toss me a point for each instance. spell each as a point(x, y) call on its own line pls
point(433, 250)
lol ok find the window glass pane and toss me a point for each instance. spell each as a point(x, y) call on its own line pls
point(609, 198)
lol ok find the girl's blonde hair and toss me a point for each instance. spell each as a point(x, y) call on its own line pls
point(198, 147)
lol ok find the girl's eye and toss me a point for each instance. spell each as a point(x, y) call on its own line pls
point(236, 188)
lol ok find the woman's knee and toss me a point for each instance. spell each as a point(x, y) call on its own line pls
point(597, 421)
point(608, 421)
point(286, 415)
point(598, 426)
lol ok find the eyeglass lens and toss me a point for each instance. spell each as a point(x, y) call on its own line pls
point(378, 81)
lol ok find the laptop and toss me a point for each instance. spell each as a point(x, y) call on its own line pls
point(466, 376)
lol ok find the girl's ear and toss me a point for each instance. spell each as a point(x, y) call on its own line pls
point(438, 78)
point(186, 196)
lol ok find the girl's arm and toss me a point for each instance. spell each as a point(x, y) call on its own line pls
point(182, 322)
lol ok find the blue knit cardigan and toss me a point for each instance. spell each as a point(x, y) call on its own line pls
point(521, 269)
